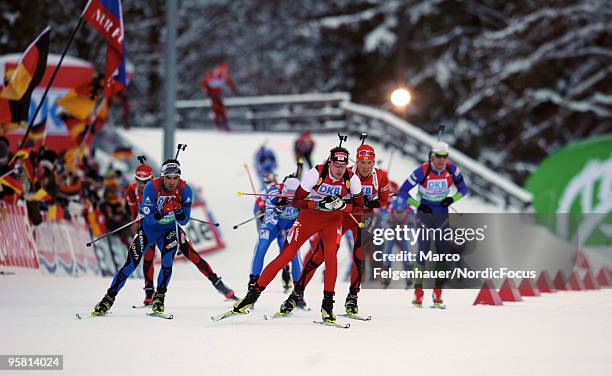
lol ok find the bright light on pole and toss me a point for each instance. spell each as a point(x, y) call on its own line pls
point(400, 97)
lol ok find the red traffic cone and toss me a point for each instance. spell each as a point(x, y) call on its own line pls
point(582, 261)
point(603, 278)
point(560, 281)
point(589, 281)
point(544, 284)
point(488, 295)
point(526, 288)
point(574, 283)
point(508, 292)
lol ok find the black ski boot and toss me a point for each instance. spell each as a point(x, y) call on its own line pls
point(291, 302)
point(301, 303)
point(327, 308)
point(287, 284)
point(223, 289)
point(350, 305)
point(251, 297)
point(148, 295)
point(158, 300)
point(252, 280)
point(104, 305)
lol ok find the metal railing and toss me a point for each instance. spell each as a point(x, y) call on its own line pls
point(335, 112)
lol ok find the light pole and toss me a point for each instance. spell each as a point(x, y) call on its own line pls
point(170, 80)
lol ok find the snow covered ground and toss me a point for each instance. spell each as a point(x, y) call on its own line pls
point(565, 333)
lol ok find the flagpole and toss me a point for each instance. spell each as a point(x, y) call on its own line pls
point(8, 173)
point(38, 107)
point(89, 126)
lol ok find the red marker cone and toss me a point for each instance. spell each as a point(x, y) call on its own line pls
point(589, 281)
point(526, 288)
point(488, 295)
point(574, 283)
point(582, 261)
point(508, 292)
point(603, 278)
point(560, 281)
point(544, 284)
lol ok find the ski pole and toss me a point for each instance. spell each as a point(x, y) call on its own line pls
point(201, 221)
point(114, 231)
point(179, 148)
point(248, 170)
point(8, 173)
point(240, 194)
point(359, 224)
point(249, 220)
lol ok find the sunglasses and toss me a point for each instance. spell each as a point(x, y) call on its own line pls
point(366, 152)
point(440, 155)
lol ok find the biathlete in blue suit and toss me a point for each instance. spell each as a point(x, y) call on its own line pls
point(278, 219)
point(434, 180)
point(166, 204)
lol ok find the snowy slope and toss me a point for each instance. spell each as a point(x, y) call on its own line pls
point(561, 334)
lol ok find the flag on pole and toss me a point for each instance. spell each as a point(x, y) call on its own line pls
point(30, 69)
point(81, 101)
point(11, 182)
point(40, 195)
point(19, 83)
point(38, 130)
point(106, 17)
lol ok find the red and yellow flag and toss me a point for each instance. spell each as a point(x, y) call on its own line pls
point(30, 69)
point(55, 212)
point(123, 152)
point(19, 83)
point(40, 195)
point(81, 101)
point(14, 184)
point(38, 130)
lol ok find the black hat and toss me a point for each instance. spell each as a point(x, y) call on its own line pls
point(339, 154)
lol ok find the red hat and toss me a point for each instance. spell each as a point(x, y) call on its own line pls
point(365, 153)
point(144, 172)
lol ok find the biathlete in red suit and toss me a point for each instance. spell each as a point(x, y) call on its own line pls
point(213, 83)
point(376, 189)
point(133, 194)
point(325, 194)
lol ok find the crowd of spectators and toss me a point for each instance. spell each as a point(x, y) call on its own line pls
point(56, 186)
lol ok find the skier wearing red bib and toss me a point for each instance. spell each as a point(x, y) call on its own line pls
point(375, 188)
point(325, 194)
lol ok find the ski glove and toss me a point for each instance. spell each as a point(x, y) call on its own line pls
point(448, 201)
point(372, 204)
point(331, 203)
point(179, 214)
point(424, 208)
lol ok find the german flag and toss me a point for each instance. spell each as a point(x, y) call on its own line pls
point(81, 101)
point(26, 163)
point(22, 81)
point(38, 130)
point(123, 152)
point(40, 195)
point(55, 212)
point(11, 182)
point(101, 113)
point(74, 125)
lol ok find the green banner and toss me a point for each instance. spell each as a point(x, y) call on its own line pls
point(578, 180)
